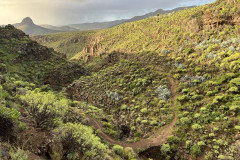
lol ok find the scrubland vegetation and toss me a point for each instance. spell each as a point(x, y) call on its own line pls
point(122, 80)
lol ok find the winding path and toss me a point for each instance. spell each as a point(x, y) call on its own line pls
point(159, 137)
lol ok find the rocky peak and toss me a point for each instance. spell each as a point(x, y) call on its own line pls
point(28, 21)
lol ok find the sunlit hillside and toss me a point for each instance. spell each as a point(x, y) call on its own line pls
point(163, 88)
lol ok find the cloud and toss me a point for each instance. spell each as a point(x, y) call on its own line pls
point(80, 11)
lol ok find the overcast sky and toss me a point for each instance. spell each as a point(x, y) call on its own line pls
point(60, 12)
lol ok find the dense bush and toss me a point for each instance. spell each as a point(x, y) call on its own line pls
point(236, 81)
point(9, 113)
point(165, 149)
point(6, 112)
point(44, 107)
point(18, 154)
point(81, 140)
point(118, 149)
point(195, 150)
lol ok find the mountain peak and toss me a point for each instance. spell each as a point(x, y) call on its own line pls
point(27, 20)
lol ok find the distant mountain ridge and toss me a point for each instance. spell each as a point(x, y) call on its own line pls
point(105, 25)
point(97, 25)
point(27, 25)
point(160, 11)
point(59, 28)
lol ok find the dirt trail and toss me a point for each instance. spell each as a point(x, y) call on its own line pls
point(159, 137)
point(32, 156)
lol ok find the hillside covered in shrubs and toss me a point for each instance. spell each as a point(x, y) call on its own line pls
point(166, 87)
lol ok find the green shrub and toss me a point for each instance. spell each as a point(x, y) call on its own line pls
point(144, 110)
point(129, 153)
point(189, 51)
point(210, 93)
point(237, 128)
point(74, 104)
point(165, 149)
point(177, 76)
point(221, 157)
point(233, 89)
point(208, 156)
point(3, 67)
point(44, 107)
point(236, 81)
point(154, 123)
point(197, 69)
point(195, 150)
point(185, 120)
point(212, 48)
point(22, 126)
point(218, 99)
point(174, 142)
point(144, 121)
point(201, 143)
point(18, 154)
point(188, 144)
point(183, 98)
point(211, 135)
point(185, 91)
point(82, 140)
point(124, 107)
point(118, 149)
point(10, 113)
point(196, 127)
point(235, 109)
point(220, 142)
point(215, 129)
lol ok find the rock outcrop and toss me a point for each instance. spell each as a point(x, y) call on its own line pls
point(26, 50)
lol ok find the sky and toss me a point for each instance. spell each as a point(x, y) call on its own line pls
point(63, 12)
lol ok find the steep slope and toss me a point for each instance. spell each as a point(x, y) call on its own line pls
point(73, 43)
point(162, 32)
point(129, 92)
point(33, 62)
point(200, 47)
point(174, 87)
point(30, 28)
point(69, 43)
point(37, 122)
point(105, 25)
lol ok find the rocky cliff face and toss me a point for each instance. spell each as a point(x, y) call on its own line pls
point(222, 15)
point(95, 48)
